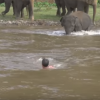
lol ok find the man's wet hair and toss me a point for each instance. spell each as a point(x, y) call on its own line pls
point(45, 62)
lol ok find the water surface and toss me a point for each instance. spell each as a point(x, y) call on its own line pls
point(76, 58)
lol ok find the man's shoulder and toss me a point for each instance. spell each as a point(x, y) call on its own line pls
point(51, 67)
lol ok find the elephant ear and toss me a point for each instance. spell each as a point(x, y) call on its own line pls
point(78, 26)
point(62, 21)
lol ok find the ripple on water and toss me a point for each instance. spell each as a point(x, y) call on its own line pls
point(22, 61)
point(77, 58)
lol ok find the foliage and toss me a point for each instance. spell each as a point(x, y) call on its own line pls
point(98, 1)
point(2, 5)
point(47, 5)
point(38, 4)
point(44, 4)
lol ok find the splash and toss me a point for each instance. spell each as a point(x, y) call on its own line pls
point(51, 32)
point(82, 33)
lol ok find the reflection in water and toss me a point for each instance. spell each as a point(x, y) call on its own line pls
point(76, 58)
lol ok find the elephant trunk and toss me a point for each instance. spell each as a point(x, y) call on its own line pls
point(68, 30)
point(94, 12)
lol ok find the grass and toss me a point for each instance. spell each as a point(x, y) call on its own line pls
point(44, 13)
point(97, 13)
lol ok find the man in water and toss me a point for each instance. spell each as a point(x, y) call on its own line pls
point(45, 64)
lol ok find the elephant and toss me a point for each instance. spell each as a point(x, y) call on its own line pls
point(81, 5)
point(7, 5)
point(76, 21)
point(60, 4)
point(18, 6)
point(94, 4)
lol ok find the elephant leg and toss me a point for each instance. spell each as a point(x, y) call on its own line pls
point(94, 12)
point(86, 8)
point(69, 10)
point(13, 8)
point(80, 6)
point(7, 6)
point(17, 8)
point(17, 14)
point(30, 12)
point(30, 9)
point(58, 11)
point(63, 11)
point(22, 12)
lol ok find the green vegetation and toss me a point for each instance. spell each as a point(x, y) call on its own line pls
point(48, 14)
point(97, 13)
point(45, 11)
point(98, 1)
point(42, 4)
point(38, 4)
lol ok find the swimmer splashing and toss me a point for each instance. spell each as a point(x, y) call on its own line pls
point(45, 64)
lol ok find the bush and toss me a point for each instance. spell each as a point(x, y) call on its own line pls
point(38, 4)
point(98, 1)
point(2, 5)
point(45, 4)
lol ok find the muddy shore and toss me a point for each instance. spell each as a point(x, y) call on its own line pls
point(29, 23)
point(39, 23)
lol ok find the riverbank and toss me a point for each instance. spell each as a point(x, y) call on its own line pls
point(39, 23)
point(29, 23)
point(43, 17)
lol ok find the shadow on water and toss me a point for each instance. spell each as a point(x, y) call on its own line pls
point(76, 58)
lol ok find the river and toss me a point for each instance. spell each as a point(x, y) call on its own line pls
point(76, 58)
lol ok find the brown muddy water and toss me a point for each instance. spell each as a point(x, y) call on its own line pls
point(76, 58)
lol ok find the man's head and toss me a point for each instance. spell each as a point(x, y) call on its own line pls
point(45, 62)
